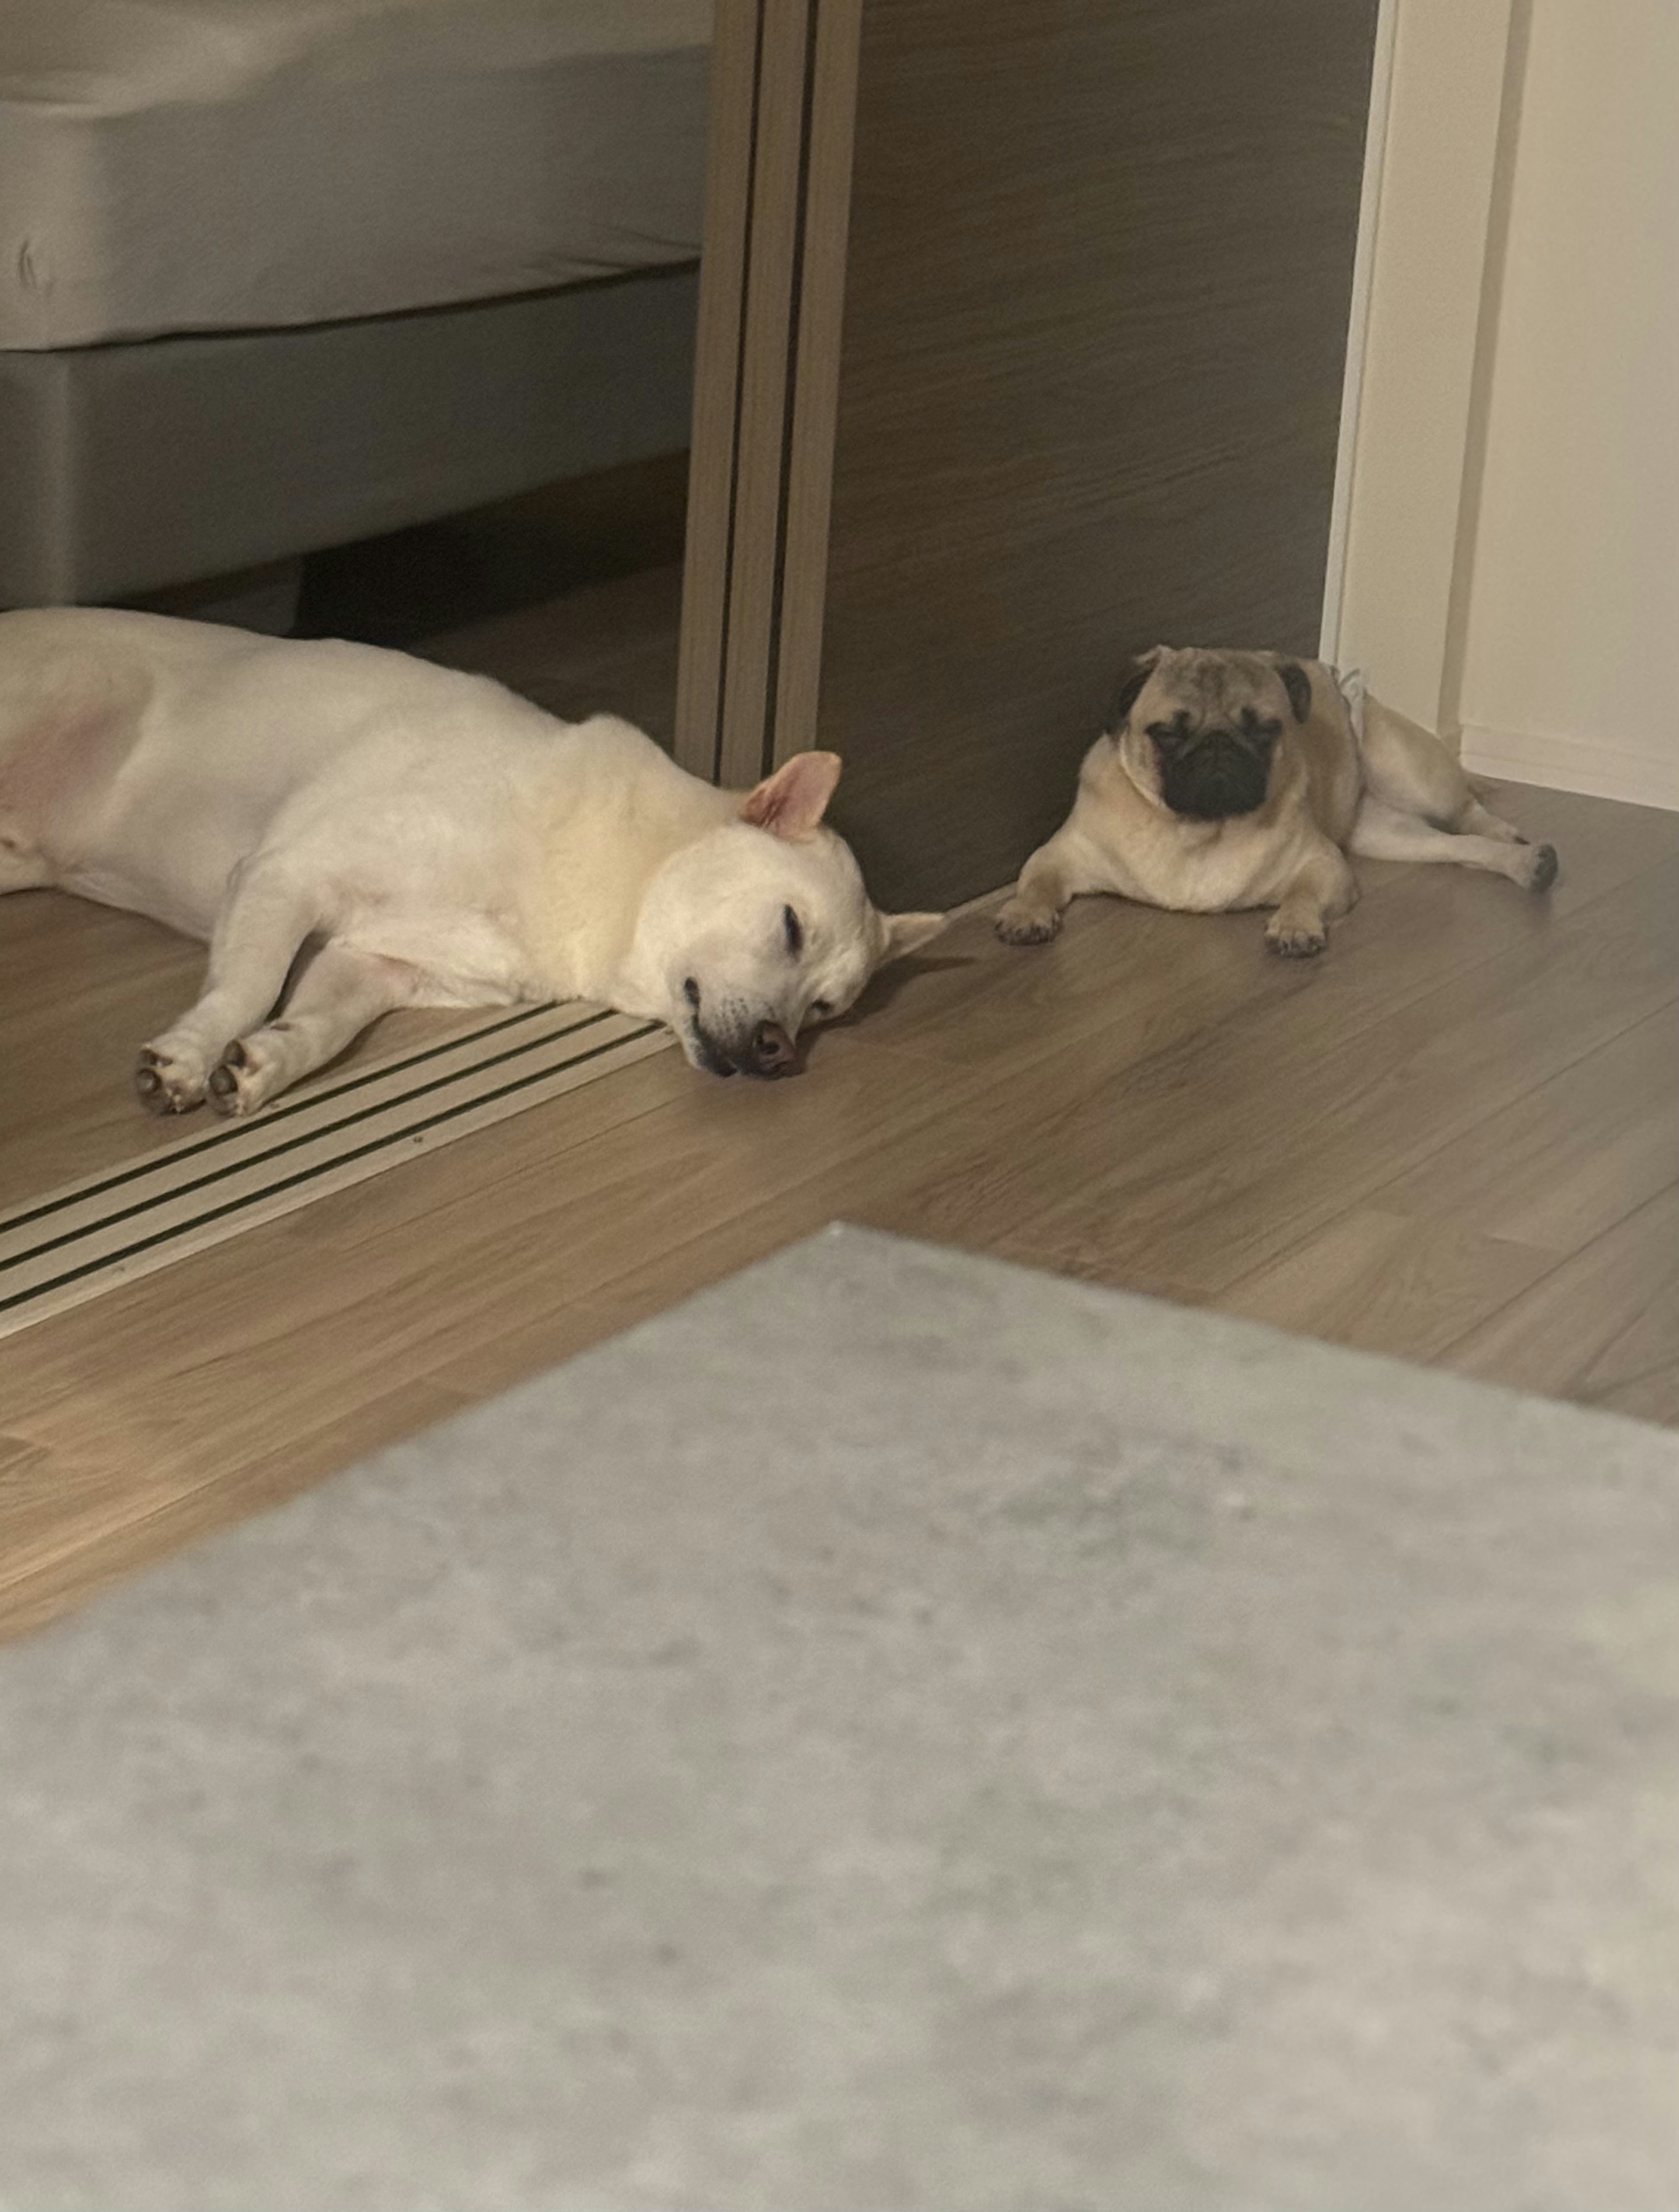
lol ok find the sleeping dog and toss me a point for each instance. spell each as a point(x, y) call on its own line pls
point(355, 830)
point(1244, 780)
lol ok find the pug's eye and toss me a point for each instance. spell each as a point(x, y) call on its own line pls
point(1169, 736)
point(794, 931)
point(820, 1009)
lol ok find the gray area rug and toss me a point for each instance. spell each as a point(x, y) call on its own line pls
point(895, 1732)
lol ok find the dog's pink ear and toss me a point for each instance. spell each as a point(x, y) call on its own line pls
point(794, 800)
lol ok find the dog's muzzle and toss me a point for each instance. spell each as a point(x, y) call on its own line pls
point(767, 1050)
point(1218, 777)
point(764, 1048)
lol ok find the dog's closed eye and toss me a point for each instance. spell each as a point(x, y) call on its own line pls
point(794, 931)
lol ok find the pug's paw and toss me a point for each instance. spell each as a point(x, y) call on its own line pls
point(1018, 923)
point(1295, 941)
point(1542, 873)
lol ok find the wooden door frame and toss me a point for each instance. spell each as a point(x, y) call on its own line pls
point(772, 293)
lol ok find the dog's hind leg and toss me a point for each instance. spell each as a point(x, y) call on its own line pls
point(1410, 771)
point(1479, 820)
point(1381, 832)
point(338, 993)
point(21, 868)
point(266, 915)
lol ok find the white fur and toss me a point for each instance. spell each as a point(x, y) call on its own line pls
point(354, 829)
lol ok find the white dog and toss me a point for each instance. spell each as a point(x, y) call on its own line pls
point(355, 830)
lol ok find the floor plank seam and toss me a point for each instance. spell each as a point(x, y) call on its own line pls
point(1372, 1196)
point(1564, 1259)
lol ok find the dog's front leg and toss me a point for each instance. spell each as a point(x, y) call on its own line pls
point(1320, 891)
point(337, 995)
point(266, 914)
point(1048, 882)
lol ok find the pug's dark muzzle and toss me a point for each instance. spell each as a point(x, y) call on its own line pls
point(1214, 778)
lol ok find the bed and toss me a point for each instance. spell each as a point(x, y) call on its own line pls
point(275, 274)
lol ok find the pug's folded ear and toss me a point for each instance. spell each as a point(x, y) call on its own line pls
point(792, 802)
point(1298, 684)
point(906, 933)
point(1142, 668)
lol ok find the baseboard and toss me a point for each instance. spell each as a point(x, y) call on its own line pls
point(1603, 771)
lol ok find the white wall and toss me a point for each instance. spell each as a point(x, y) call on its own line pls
point(1510, 479)
point(1572, 606)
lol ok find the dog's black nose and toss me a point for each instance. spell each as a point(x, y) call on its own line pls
point(773, 1050)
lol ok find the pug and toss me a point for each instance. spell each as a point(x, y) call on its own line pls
point(1232, 779)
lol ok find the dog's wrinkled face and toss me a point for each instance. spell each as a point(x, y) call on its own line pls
point(763, 926)
point(1199, 732)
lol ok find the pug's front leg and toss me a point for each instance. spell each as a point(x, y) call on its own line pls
point(1320, 892)
point(1048, 883)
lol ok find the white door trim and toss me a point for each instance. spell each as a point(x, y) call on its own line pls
point(1358, 325)
point(1420, 305)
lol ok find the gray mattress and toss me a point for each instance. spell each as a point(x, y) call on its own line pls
point(283, 273)
point(131, 467)
point(219, 165)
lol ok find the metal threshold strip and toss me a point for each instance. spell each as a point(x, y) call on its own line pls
point(108, 1229)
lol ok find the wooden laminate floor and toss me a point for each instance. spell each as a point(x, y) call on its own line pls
point(1453, 1139)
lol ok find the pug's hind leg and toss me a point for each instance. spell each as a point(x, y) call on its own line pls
point(1382, 833)
point(1480, 822)
point(1049, 880)
point(21, 868)
point(1320, 893)
point(1411, 772)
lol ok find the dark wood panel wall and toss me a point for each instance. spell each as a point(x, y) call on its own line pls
point(1080, 272)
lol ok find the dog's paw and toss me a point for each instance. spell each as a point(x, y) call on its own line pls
point(1020, 924)
point(240, 1082)
point(1292, 941)
point(1542, 869)
point(166, 1084)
